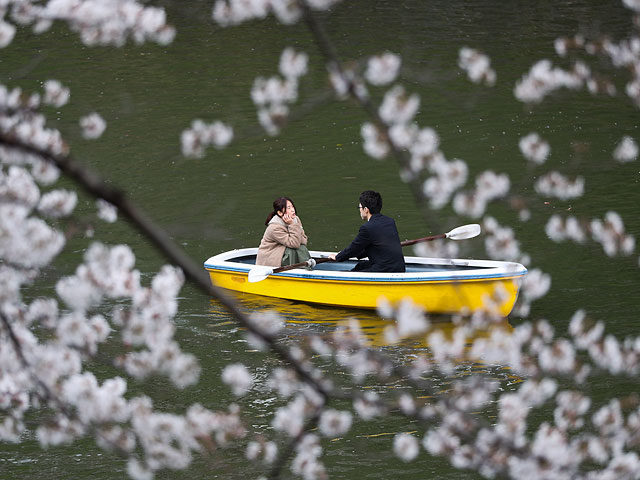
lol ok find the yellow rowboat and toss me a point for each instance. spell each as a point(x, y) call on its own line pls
point(438, 285)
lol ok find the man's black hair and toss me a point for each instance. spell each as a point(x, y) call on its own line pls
point(372, 200)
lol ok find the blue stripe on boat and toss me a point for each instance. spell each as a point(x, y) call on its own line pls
point(518, 273)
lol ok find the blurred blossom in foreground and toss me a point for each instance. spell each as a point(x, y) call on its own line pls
point(106, 211)
point(544, 79)
point(406, 446)
point(610, 232)
point(201, 135)
point(238, 378)
point(626, 150)
point(293, 64)
point(58, 203)
point(477, 65)
point(398, 107)
point(382, 69)
point(93, 126)
point(489, 186)
point(55, 94)
point(534, 148)
point(7, 32)
point(272, 96)
point(375, 143)
point(554, 184)
point(334, 423)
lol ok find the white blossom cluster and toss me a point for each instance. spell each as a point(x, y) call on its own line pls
point(25, 240)
point(382, 69)
point(234, 12)
point(398, 107)
point(489, 186)
point(20, 121)
point(448, 176)
point(58, 203)
point(406, 446)
point(437, 249)
point(610, 232)
point(534, 148)
point(306, 462)
point(477, 65)
point(554, 184)
point(535, 285)
point(261, 450)
point(624, 54)
point(375, 143)
point(334, 423)
point(345, 80)
point(93, 126)
point(238, 378)
point(98, 22)
point(55, 94)
point(106, 211)
point(544, 79)
point(196, 139)
point(626, 150)
point(348, 341)
point(410, 319)
point(272, 96)
point(570, 228)
point(501, 244)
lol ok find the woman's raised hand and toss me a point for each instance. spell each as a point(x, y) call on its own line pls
point(289, 218)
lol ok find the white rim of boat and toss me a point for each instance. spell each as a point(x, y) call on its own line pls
point(487, 269)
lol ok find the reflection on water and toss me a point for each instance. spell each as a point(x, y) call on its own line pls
point(304, 320)
point(312, 319)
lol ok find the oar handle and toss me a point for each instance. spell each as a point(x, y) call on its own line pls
point(406, 243)
point(300, 265)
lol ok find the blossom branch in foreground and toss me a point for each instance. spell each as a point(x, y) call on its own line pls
point(94, 185)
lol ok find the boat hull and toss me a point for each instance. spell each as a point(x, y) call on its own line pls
point(438, 285)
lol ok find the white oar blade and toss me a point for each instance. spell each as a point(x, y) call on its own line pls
point(464, 232)
point(259, 273)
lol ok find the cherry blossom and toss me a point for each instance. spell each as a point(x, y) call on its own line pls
point(93, 126)
point(626, 150)
point(534, 148)
point(382, 69)
point(238, 378)
point(477, 65)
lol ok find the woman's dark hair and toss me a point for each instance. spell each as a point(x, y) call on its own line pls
point(279, 204)
point(372, 200)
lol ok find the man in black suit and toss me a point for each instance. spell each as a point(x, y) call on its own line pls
point(377, 239)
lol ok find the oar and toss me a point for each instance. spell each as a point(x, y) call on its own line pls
point(459, 233)
point(260, 272)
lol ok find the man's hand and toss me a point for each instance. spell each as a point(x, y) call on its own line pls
point(332, 256)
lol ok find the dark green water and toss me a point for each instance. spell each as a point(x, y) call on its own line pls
point(149, 94)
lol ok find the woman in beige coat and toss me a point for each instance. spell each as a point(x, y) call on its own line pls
point(284, 241)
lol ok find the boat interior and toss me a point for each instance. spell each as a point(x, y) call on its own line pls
point(348, 265)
